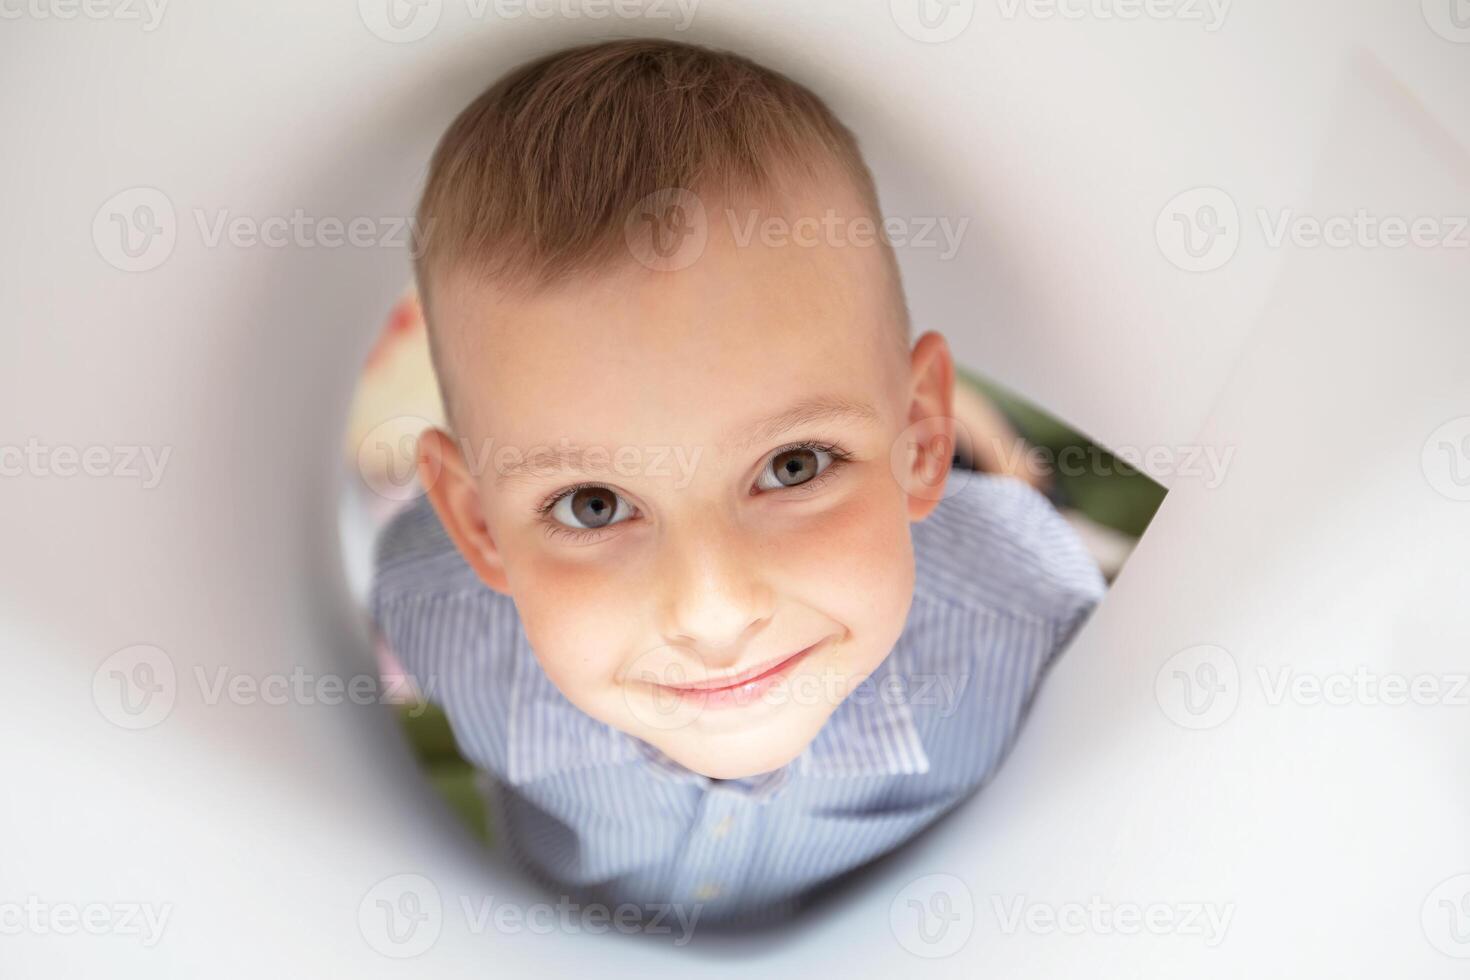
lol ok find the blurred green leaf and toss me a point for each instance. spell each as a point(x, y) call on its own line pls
point(432, 740)
point(1111, 493)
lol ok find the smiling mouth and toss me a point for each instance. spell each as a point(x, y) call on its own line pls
point(742, 688)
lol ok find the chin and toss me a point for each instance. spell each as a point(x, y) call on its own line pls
point(739, 761)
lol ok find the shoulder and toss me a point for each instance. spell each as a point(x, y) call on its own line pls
point(995, 545)
point(459, 640)
point(1001, 585)
point(441, 622)
point(427, 602)
point(415, 558)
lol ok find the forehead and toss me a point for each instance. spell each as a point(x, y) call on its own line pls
point(758, 321)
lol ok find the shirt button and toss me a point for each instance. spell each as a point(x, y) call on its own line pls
point(707, 891)
point(722, 828)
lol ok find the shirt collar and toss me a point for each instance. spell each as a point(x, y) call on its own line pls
point(872, 733)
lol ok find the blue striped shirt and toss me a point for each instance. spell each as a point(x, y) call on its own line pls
point(1001, 584)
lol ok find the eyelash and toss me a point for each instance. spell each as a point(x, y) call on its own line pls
point(556, 529)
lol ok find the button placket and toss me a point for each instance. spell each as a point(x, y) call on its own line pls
point(715, 849)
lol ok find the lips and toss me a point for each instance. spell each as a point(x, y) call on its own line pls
point(738, 689)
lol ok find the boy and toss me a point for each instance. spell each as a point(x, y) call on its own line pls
point(694, 583)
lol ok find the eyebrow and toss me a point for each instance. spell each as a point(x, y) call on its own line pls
point(811, 411)
point(808, 412)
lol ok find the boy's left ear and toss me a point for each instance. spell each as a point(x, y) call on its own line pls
point(454, 493)
point(922, 464)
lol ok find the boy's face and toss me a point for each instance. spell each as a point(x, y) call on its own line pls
point(707, 537)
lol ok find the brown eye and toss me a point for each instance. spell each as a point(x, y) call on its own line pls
point(589, 508)
point(792, 467)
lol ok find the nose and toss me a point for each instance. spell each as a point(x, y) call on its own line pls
point(715, 596)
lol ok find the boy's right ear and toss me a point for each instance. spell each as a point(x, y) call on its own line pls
point(455, 496)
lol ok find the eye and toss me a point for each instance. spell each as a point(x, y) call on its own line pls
point(796, 465)
point(589, 508)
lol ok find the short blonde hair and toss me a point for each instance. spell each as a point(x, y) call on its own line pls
point(533, 181)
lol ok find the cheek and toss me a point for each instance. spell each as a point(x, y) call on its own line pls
point(574, 617)
point(857, 562)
